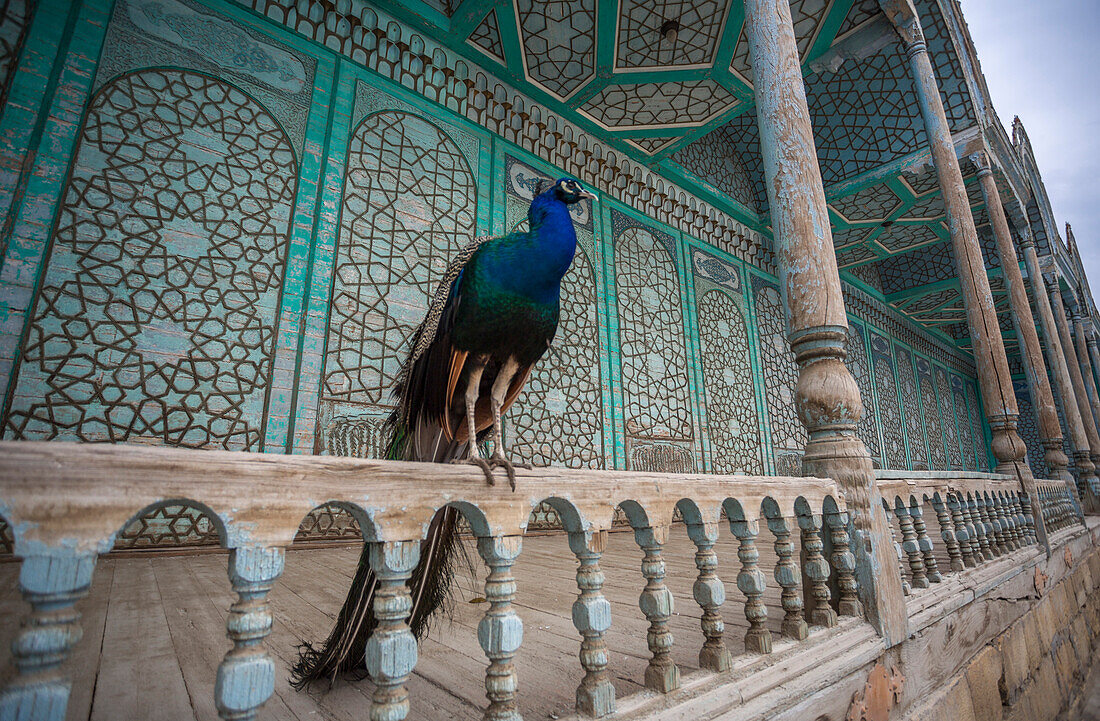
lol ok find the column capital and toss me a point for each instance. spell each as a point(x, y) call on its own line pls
point(1027, 240)
point(903, 16)
point(981, 161)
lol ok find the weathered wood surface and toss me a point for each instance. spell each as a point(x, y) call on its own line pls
point(155, 630)
point(79, 495)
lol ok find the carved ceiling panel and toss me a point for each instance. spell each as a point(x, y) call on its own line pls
point(559, 42)
point(874, 203)
point(644, 105)
point(898, 238)
point(640, 43)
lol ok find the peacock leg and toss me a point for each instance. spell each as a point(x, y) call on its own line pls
point(500, 391)
point(473, 389)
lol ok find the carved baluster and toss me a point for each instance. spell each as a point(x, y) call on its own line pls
point(51, 582)
point(1029, 520)
point(500, 632)
point(844, 565)
point(816, 569)
point(906, 587)
point(924, 542)
point(995, 523)
point(977, 531)
point(391, 650)
point(947, 533)
point(998, 514)
point(592, 617)
point(982, 508)
point(656, 603)
point(710, 594)
point(910, 546)
point(246, 676)
point(1008, 514)
point(787, 576)
point(963, 530)
point(751, 581)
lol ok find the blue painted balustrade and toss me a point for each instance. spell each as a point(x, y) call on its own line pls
point(66, 503)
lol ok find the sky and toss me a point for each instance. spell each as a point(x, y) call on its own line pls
point(1042, 62)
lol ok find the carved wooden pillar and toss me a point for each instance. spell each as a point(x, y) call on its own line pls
point(816, 569)
point(656, 603)
point(52, 583)
point(923, 541)
point(843, 562)
point(1094, 353)
point(981, 315)
point(826, 397)
point(246, 677)
point(1086, 484)
point(710, 593)
point(910, 546)
point(1081, 343)
point(964, 531)
point(391, 651)
point(592, 617)
point(752, 582)
point(1078, 440)
point(500, 632)
point(1050, 430)
point(947, 532)
point(787, 576)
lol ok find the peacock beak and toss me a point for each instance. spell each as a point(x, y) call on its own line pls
point(587, 195)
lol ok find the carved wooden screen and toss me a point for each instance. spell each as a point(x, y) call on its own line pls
point(780, 376)
point(657, 409)
point(410, 203)
point(157, 315)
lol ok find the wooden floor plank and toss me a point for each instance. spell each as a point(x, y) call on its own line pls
point(140, 677)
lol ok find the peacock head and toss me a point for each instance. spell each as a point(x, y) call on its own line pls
point(568, 191)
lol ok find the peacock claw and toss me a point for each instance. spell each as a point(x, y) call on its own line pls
point(501, 462)
point(484, 465)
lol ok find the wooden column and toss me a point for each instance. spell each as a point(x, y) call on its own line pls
point(1050, 431)
point(1092, 445)
point(1086, 365)
point(1078, 441)
point(1094, 355)
point(981, 315)
point(826, 397)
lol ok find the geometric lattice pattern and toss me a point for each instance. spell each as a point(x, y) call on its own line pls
point(640, 43)
point(893, 430)
point(937, 448)
point(1028, 427)
point(487, 36)
point(910, 400)
point(727, 377)
point(409, 205)
point(559, 42)
point(861, 370)
point(558, 417)
point(977, 428)
point(780, 377)
point(658, 104)
point(651, 336)
point(157, 315)
point(947, 416)
point(966, 434)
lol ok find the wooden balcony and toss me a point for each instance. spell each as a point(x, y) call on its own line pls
point(748, 604)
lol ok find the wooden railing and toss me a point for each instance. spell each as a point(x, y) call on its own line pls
point(979, 517)
point(65, 504)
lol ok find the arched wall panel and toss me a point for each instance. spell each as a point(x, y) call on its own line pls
point(157, 315)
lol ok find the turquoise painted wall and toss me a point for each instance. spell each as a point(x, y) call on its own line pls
point(229, 233)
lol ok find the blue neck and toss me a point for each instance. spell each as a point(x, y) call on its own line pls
point(533, 263)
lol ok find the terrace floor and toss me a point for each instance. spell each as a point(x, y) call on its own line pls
point(154, 631)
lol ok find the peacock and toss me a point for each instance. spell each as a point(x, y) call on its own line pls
point(494, 314)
